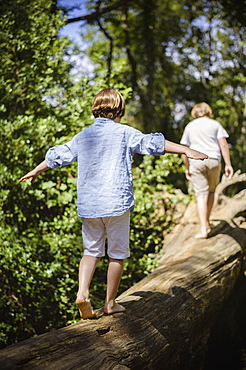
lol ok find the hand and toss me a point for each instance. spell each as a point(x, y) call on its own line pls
point(188, 174)
point(194, 154)
point(34, 174)
point(228, 171)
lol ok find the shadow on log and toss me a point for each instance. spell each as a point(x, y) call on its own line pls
point(170, 313)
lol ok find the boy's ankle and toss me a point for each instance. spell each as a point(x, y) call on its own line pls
point(109, 304)
point(82, 297)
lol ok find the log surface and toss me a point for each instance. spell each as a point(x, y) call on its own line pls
point(170, 313)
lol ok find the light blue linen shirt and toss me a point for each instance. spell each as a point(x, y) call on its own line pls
point(104, 152)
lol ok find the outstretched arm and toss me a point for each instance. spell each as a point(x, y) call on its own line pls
point(226, 156)
point(34, 173)
point(186, 152)
point(171, 147)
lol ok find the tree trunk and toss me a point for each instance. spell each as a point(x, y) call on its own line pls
point(170, 313)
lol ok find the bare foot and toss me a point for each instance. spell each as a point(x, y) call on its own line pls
point(113, 309)
point(85, 309)
point(201, 236)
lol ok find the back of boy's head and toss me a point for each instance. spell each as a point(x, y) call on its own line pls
point(108, 103)
point(201, 110)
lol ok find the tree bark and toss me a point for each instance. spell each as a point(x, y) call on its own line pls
point(170, 313)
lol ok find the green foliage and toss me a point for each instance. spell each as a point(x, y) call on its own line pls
point(37, 278)
point(33, 63)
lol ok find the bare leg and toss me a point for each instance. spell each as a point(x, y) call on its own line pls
point(210, 203)
point(115, 270)
point(86, 271)
point(202, 209)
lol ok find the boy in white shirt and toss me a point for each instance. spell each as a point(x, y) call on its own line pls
point(208, 136)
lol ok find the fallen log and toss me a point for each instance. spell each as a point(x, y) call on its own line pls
point(170, 313)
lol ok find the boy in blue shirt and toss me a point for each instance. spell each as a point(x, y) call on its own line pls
point(104, 152)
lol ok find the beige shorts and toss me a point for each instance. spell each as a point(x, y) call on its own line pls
point(205, 175)
point(116, 229)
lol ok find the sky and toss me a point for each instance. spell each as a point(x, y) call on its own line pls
point(81, 63)
point(73, 30)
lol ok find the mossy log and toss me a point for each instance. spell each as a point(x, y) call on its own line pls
point(170, 313)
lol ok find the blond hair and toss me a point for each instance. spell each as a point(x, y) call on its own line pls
point(108, 103)
point(201, 110)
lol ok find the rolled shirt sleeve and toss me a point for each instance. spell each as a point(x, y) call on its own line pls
point(152, 144)
point(61, 155)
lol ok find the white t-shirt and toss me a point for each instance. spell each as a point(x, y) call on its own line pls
point(202, 134)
